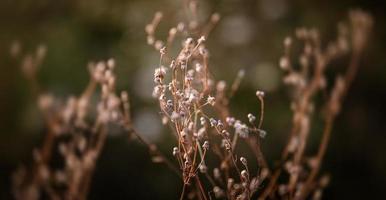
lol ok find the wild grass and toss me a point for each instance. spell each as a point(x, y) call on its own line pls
point(196, 109)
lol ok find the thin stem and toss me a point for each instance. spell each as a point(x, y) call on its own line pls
point(183, 191)
point(349, 77)
point(200, 187)
point(261, 112)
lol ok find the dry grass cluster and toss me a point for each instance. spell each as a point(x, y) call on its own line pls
point(196, 107)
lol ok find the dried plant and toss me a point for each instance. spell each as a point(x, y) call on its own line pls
point(73, 132)
point(196, 107)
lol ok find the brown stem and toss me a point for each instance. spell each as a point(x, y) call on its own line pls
point(349, 77)
point(202, 191)
point(183, 191)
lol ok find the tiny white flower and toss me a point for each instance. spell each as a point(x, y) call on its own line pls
point(211, 100)
point(260, 94)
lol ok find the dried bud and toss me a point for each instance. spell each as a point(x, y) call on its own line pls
point(220, 125)
point(159, 74)
point(283, 189)
point(244, 174)
point(303, 60)
point(158, 44)
point(262, 133)
point(41, 52)
point(287, 42)
point(201, 39)
point(158, 15)
point(215, 17)
point(221, 86)
point(231, 181)
point(243, 160)
point(284, 63)
point(216, 173)
point(203, 168)
point(205, 146)
point(172, 31)
point(202, 121)
point(218, 192)
point(180, 27)
point(225, 133)
point(203, 51)
point(260, 94)
point(211, 100)
point(241, 129)
point(188, 41)
point(213, 122)
point(169, 104)
point(201, 133)
point(111, 63)
point(241, 73)
point(230, 121)
point(162, 51)
point(251, 118)
point(324, 180)
point(45, 101)
point(124, 96)
point(264, 173)
point(150, 40)
point(175, 151)
point(227, 145)
point(174, 116)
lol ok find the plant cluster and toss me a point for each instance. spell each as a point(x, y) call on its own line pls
point(196, 107)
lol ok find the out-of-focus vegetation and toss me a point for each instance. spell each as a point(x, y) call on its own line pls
point(249, 36)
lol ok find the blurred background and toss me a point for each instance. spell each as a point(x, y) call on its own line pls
point(249, 36)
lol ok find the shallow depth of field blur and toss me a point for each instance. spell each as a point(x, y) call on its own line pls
point(249, 36)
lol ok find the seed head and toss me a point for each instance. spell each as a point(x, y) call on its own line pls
point(220, 125)
point(215, 18)
point(251, 118)
point(231, 181)
point(159, 74)
point(216, 173)
point(287, 42)
point(284, 63)
point(201, 133)
point(218, 192)
point(225, 133)
point(241, 129)
point(244, 174)
point(124, 96)
point(230, 121)
point(188, 41)
point(262, 133)
point(205, 146)
point(260, 94)
point(241, 73)
point(227, 145)
point(162, 51)
point(158, 44)
point(169, 104)
point(175, 151)
point(211, 100)
point(243, 160)
point(203, 168)
point(201, 39)
point(111, 63)
point(202, 121)
point(174, 116)
point(213, 122)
